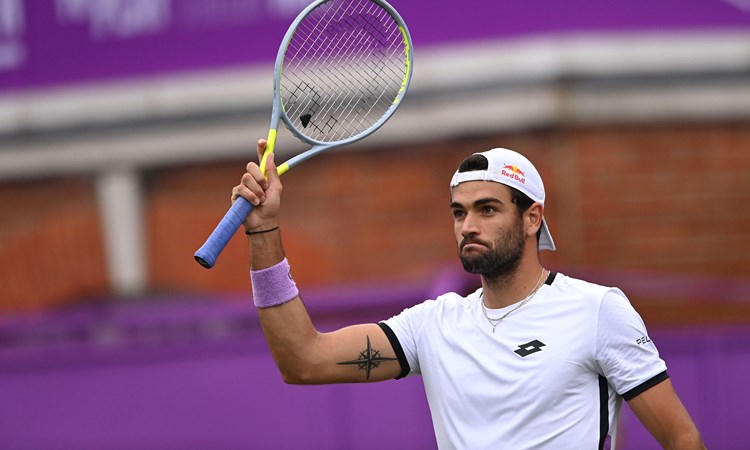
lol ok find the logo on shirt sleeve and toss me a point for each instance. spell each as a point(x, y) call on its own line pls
point(529, 348)
point(643, 340)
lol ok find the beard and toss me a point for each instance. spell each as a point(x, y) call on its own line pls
point(501, 259)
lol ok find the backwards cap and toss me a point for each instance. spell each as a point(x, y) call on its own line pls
point(511, 169)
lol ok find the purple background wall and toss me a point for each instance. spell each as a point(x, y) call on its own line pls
point(195, 373)
point(52, 42)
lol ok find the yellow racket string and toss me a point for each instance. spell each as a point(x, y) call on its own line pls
point(407, 72)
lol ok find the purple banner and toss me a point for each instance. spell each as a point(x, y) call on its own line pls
point(54, 42)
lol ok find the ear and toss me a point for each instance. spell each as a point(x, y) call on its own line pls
point(533, 219)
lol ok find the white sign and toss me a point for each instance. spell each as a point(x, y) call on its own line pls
point(12, 24)
point(116, 19)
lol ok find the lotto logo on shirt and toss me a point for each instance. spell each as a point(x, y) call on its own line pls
point(514, 173)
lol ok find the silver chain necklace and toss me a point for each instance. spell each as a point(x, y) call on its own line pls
point(496, 321)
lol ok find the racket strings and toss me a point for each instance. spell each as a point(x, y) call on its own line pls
point(351, 22)
point(355, 22)
point(343, 70)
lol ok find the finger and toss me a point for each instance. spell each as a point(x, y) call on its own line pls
point(254, 170)
point(250, 195)
point(252, 189)
point(242, 191)
point(261, 148)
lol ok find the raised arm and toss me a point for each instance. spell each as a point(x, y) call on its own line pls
point(304, 355)
point(661, 412)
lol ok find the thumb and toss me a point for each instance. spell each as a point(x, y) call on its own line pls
point(272, 172)
point(261, 148)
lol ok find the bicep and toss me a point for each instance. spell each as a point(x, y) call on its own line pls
point(358, 353)
point(660, 410)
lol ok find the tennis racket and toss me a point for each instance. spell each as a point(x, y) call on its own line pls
point(341, 72)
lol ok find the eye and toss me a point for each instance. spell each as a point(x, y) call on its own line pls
point(458, 214)
point(488, 210)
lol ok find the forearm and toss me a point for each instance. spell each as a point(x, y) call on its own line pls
point(291, 337)
point(265, 249)
point(287, 326)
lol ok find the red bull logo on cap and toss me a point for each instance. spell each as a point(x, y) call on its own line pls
point(514, 173)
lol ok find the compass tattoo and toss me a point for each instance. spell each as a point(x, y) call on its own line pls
point(369, 359)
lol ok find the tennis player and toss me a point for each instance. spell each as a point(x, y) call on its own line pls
point(532, 360)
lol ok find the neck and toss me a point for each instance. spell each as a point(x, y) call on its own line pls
point(511, 288)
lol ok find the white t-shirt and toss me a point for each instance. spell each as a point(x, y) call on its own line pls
point(551, 376)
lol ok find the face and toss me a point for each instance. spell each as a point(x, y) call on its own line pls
point(489, 231)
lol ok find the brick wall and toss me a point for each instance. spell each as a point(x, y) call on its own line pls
point(663, 198)
point(51, 249)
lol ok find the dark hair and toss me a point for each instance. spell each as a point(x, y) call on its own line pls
point(522, 201)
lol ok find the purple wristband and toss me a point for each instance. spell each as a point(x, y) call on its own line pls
point(273, 286)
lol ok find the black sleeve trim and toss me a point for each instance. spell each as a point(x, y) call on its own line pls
point(646, 385)
point(603, 411)
point(397, 349)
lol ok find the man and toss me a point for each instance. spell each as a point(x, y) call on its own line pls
point(532, 359)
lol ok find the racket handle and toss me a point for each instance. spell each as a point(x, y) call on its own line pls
point(210, 251)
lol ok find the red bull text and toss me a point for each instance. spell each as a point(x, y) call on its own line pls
point(514, 173)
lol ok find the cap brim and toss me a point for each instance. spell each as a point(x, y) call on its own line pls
point(545, 238)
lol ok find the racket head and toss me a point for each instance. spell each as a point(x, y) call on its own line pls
point(342, 70)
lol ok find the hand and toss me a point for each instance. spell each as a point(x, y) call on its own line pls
point(263, 192)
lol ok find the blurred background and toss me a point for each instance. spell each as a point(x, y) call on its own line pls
point(124, 124)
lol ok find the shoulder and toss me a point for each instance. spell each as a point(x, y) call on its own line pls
point(565, 282)
point(412, 322)
point(569, 287)
point(450, 301)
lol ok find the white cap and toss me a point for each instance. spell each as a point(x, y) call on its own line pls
point(511, 169)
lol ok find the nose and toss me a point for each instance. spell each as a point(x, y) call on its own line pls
point(469, 225)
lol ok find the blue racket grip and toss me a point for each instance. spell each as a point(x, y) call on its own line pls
point(210, 251)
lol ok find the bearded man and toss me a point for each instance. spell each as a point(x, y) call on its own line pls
point(531, 360)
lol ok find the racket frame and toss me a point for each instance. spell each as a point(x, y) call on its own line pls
point(207, 255)
point(278, 111)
